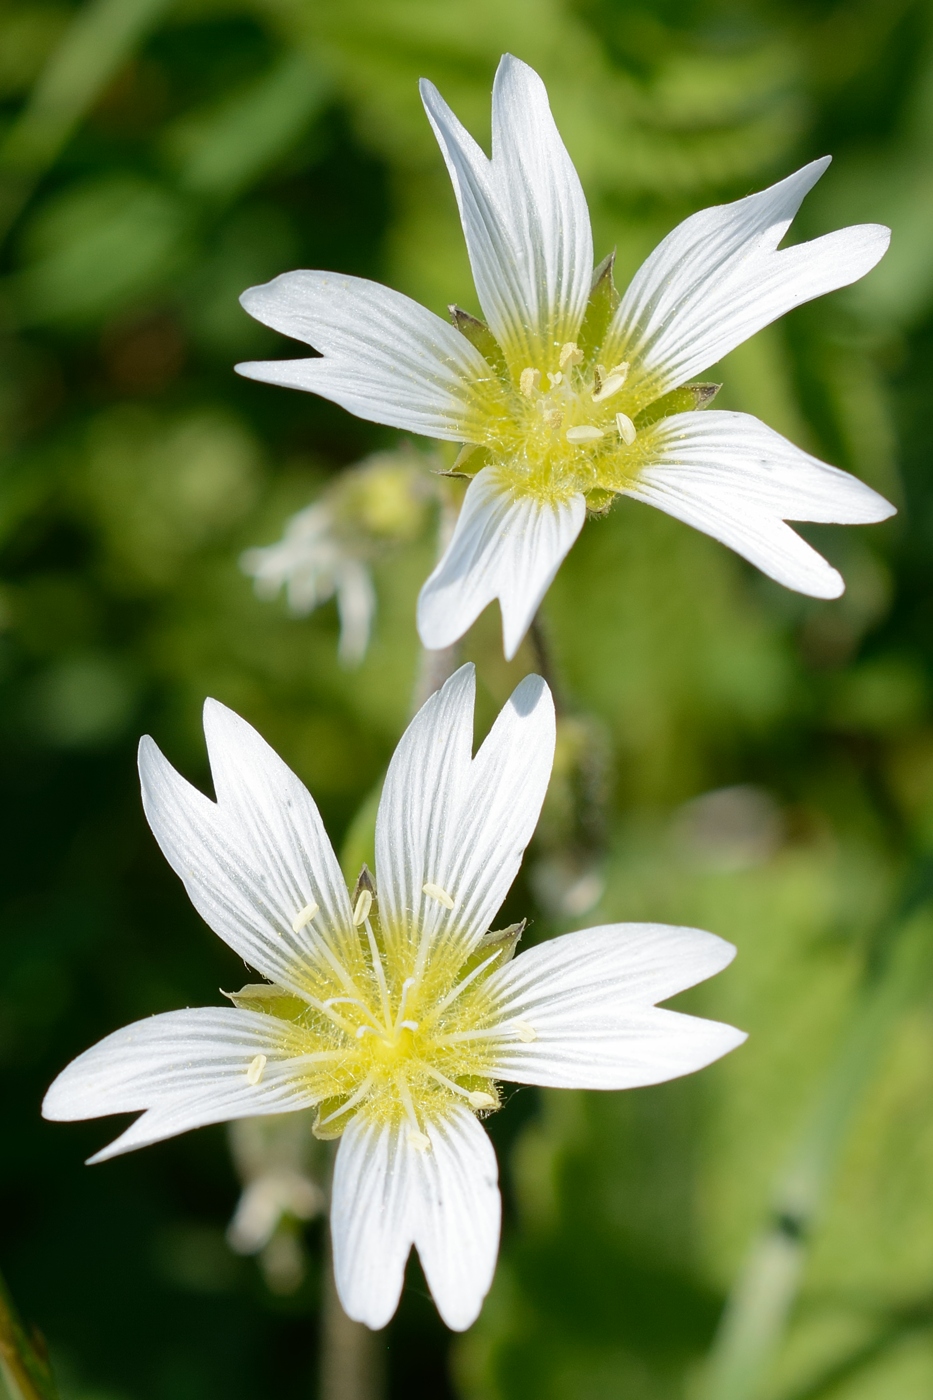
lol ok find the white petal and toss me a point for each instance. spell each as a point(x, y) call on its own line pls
point(732, 477)
point(186, 1069)
point(388, 1195)
point(252, 861)
point(456, 1213)
point(504, 546)
point(588, 997)
point(457, 823)
point(384, 357)
point(370, 1219)
point(524, 215)
point(718, 278)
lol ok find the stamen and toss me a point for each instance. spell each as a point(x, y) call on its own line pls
point(555, 379)
point(626, 428)
point(608, 387)
point(476, 1098)
point(584, 433)
point(525, 1032)
point(553, 419)
point(351, 1102)
point(480, 1100)
point(529, 381)
point(435, 892)
point(463, 984)
point(304, 916)
point(254, 1073)
point(363, 905)
point(622, 369)
point(408, 1025)
point(419, 1140)
point(570, 355)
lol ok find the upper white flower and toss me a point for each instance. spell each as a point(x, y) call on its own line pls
point(571, 395)
point(392, 1014)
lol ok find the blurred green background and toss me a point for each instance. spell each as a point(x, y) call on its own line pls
point(732, 755)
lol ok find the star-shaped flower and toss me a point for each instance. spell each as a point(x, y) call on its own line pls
point(566, 396)
point(394, 1012)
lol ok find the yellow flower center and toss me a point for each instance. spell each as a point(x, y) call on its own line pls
point(391, 1024)
point(566, 430)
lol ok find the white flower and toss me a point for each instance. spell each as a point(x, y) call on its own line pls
point(327, 547)
point(313, 565)
point(571, 396)
point(394, 1014)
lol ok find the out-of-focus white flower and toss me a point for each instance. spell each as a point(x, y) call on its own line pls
point(393, 1012)
point(570, 395)
point(273, 1156)
point(313, 565)
point(326, 549)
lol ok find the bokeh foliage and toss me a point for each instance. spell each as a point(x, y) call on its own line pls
point(157, 158)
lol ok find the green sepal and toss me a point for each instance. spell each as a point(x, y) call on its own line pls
point(505, 939)
point(683, 400)
point(599, 502)
point(470, 459)
point(601, 307)
point(330, 1131)
point(265, 996)
point(479, 334)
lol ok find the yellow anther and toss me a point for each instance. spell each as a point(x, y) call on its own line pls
point(435, 892)
point(525, 1032)
point(256, 1067)
point(626, 428)
point(554, 418)
point(585, 433)
point(607, 387)
point(304, 916)
point(363, 905)
point(620, 369)
point(480, 1100)
point(570, 354)
point(529, 381)
point(419, 1141)
point(555, 379)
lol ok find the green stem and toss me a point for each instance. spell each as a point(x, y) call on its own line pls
point(759, 1307)
point(25, 1366)
point(352, 1363)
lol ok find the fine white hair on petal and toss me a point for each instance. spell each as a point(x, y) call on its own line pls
point(504, 546)
point(718, 278)
point(185, 1069)
point(254, 858)
point(524, 215)
point(732, 477)
point(383, 357)
point(458, 823)
point(389, 1194)
point(584, 1003)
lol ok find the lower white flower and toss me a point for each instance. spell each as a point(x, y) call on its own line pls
point(394, 1012)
